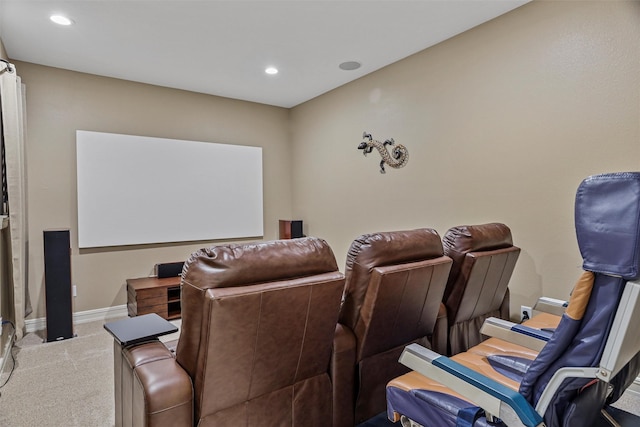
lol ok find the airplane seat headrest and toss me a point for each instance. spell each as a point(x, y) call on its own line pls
point(607, 218)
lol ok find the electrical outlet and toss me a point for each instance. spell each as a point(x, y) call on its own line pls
point(74, 290)
point(525, 312)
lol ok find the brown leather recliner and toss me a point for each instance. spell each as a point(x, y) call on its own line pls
point(258, 322)
point(393, 296)
point(483, 260)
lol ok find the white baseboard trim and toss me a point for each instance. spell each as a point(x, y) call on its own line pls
point(39, 324)
point(635, 386)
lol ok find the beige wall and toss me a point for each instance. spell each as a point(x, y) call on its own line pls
point(59, 102)
point(502, 123)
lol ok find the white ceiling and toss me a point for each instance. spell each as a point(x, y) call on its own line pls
point(222, 47)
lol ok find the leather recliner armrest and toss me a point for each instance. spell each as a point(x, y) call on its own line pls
point(152, 389)
point(342, 370)
point(440, 338)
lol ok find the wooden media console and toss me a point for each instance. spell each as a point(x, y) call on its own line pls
point(152, 295)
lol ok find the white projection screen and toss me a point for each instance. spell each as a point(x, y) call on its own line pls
point(139, 190)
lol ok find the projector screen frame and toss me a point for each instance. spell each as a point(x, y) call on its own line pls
point(138, 190)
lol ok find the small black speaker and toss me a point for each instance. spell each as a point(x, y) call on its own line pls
point(290, 229)
point(57, 281)
point(296, 229)
point(169, 269)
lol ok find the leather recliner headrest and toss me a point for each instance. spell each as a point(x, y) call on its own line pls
point(246, 264)
point(393, 247)
point(458, 241)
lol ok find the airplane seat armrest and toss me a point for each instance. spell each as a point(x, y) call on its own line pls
point(493, 397)
point(540, 334)
point(534, 339)
point(551, 305)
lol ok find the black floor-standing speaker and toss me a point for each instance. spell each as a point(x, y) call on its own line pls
point(57, 284)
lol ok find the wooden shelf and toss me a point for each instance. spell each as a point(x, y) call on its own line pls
point(152, 295)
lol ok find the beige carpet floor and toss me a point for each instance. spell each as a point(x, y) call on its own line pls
point(65, 383)
point(70, 383)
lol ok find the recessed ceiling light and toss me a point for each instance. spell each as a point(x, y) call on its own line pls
point(271, 70)
point(349, 65)
point(61, 20)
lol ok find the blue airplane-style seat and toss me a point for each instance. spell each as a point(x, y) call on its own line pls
point(568, 381)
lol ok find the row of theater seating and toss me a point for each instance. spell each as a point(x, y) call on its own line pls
point(273, 334)
point(409, 286)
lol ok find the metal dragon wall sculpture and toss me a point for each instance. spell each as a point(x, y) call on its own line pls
point(398, 157)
